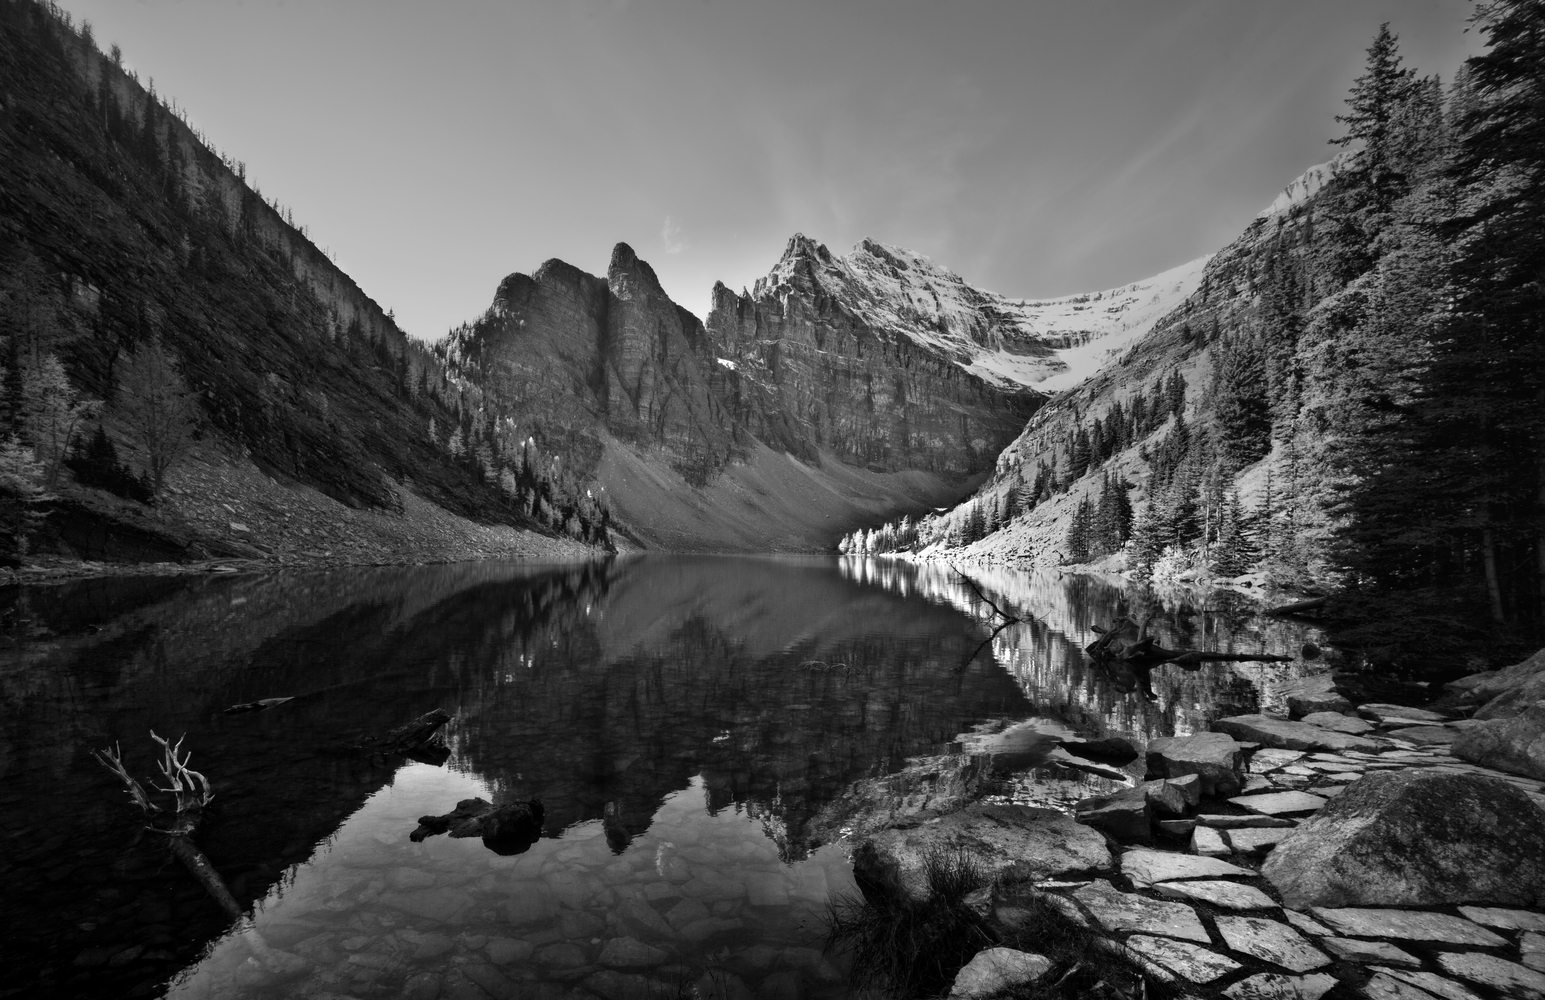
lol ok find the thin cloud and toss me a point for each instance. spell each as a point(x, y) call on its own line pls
point(670, 237)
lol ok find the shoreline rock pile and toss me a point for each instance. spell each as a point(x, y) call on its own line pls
point(1386, 851)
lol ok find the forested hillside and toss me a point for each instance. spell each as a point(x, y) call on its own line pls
point(1353, 399)
point(152, 299)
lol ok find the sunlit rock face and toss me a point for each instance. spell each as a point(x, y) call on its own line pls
point(819, 357)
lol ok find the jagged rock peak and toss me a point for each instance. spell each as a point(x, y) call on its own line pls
point(627, 272)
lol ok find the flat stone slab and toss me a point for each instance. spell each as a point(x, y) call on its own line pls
point(1498, 916)
point(1252, 840)
point(1384, 711)
point(1284, 735)
point(1337, 723)
point(1145, 867)
point(1306, 923)
point(1532, 949)
point(1199, 965)
point(1429, 981)
point(1272, 986)
point(994, 970)
point(1498, 973)
point(1208, 842)
point(1232, 822)
point(1119, 911)
point(1368, 951)
point(1228, 895)
point(1406, 925)
point(1278, 803)
point(1270, 759)
point(1383, 986)
point(1423, 735)
point(1271, 941)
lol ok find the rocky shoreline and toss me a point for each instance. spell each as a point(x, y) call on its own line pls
point(1369, 850)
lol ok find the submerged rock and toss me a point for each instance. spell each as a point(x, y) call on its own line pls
point(506, 829)
point(996, 969)
point(1111, 750)
point(1415, 837)
point(1009, 843)
point(1514, 744)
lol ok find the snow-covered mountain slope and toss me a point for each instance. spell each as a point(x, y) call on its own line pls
point(1305, 186)
point(1048, 345)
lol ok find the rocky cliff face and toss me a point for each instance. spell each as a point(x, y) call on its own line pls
point(792, 413)
point(573, 359)
point(817, 358)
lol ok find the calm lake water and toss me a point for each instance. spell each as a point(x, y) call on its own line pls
point(700, 730)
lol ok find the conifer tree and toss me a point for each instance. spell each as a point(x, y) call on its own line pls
point(1372, 109)
point(1077, 541)
point(1239, 399)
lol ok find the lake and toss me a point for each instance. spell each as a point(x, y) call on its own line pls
point(701, 732)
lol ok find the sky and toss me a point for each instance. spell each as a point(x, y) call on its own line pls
point(1036, 149)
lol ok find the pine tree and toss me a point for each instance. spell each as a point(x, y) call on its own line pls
point(1239, 399)
point(1228, 552)
point(1146, 543)
point(1078, 454)
point(1373, 107)
point(1483, 416)
point(1077, 541)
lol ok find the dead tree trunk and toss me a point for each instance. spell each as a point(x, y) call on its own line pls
point(1144, 651)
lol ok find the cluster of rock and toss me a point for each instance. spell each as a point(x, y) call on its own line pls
point(1396, 851)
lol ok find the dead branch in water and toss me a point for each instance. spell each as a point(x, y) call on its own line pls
point(1008, 619)
point(191, 792)
point(1297, 607)
point(1144, 651)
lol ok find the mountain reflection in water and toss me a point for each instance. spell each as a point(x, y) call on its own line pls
point(693, 726)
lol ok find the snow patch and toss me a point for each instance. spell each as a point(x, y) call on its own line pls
point(726, 362)
point(1306, 185)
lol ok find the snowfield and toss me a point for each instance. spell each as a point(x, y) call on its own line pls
point(1049, 345)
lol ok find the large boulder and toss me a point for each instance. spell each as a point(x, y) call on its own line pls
point(1501, 692)
point(1285, 735)
point(1514, 744)
point(1215, 758)
point(1011, 843)
point(1415, 838)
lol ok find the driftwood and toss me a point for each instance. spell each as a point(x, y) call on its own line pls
point(191, 793)
point(257, 706)
point(1297, 607)
point(420, 739)
point(506, 829)
point(1144, 651)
